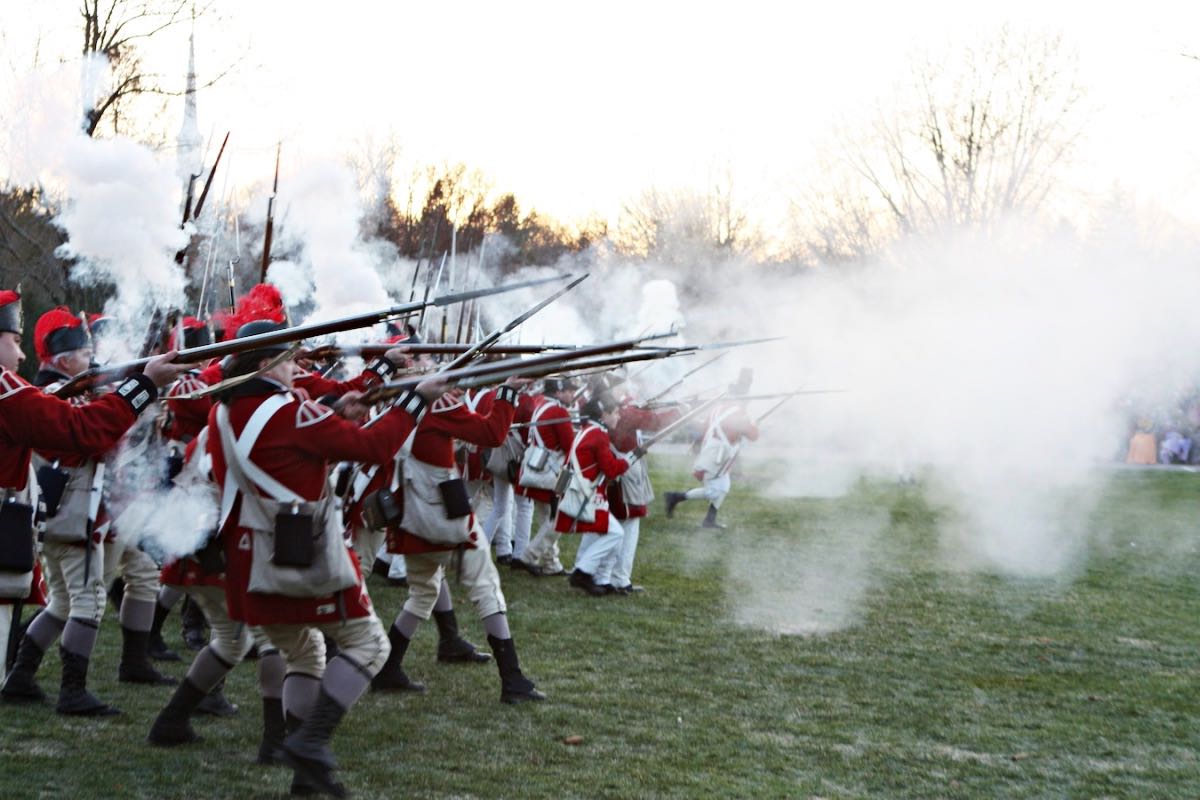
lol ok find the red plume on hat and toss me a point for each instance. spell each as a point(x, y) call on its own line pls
point(263, 302)
point(58, 319)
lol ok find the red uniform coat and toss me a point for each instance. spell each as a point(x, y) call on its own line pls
point(447, 420)
point(295, 448)
point(625, 439)
point(557, 434)
point(469, 455)
point(596, 457)
point(189, 416)
point(32, 419)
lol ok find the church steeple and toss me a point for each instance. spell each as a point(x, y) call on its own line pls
point(189, 140)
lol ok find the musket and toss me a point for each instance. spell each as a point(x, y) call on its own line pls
point(677, 424)
point(93, 377)
point(238, 380)
point(208, 182)
point(322, 352)
point(786, 395)
point(488, 342)
point(233, 262)
point(269, 231)
point(522, 425)
point(430, 287)
point(687, 375)
point(538, 366)
point(771, 410)
point(568, 369)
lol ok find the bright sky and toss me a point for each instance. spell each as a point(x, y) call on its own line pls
point(576, 107)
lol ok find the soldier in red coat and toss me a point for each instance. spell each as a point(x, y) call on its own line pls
point(288, 568)
point(629, 498)
point(437, 530)
point(593, 463)
point(64, 347)
point(554, 432)
point(201, 577)
point(728, 427)
point(32, 419)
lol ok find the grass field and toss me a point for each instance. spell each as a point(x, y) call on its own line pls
point(930, 680)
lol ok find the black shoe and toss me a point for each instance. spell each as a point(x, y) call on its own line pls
point(600, 589)
point(195, 634)
point(306, 749)
point(73, 697)
point(380, 567)
point(581, 580)
point(504, 560)
point(172, 727)
point(515, 564)
point(21, 685)
point(392, 677)
point(171, 732)
point(673, 499)
point(399, 583)
point(135, 664)
point(632, 588)
point(452, 648)
point(514, 686)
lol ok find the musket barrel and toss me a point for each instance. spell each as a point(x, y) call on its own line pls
point(221, 349)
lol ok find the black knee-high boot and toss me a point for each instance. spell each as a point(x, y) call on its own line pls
point(173, 725)
point(21, 684)
point(392, 676)
point(514, 686)
point(453, 648)
point(307, 750)
point(73, 696)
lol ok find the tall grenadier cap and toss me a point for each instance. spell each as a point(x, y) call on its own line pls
point(11, 320)
point(59, 331)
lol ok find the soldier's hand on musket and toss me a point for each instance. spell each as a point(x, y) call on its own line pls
point(398, 356)
point(432, 388)
point(518, 382)
point(350, 406)
point(162, 372)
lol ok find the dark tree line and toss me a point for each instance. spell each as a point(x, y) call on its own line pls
point(456, 212)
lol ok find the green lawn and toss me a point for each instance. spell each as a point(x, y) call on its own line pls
point(926, 680)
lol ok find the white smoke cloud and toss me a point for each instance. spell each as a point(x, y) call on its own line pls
point(119, 200)
point(335, 269)
point(998, 363)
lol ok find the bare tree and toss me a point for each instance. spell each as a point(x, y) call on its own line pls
point(114, 29)
point(687, 224)
point(972, 138)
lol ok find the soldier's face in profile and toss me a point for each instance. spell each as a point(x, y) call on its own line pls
point(282, 373)
point(74, 362)
point(11, 354)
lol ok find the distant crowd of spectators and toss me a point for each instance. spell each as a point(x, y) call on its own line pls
point(1172, 439)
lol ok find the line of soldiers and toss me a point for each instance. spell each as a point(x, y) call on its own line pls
point(281, 534)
